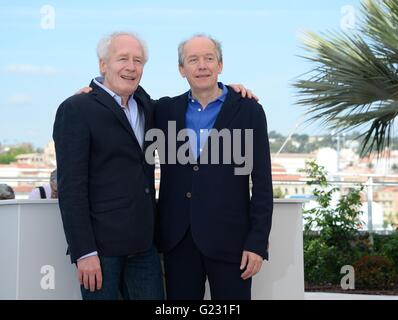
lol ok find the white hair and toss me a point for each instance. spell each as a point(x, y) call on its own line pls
point(104, 44)
point(217, 44)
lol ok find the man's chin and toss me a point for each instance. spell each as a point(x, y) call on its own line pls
point(204, 86)
point(129, 91)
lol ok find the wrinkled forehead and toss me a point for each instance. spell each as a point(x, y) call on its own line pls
point(200, 46)
point(125, 44)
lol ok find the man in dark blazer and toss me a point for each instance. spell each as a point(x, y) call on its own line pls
point(209, 226)
point(105, 186)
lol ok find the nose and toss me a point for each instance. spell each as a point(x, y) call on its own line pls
point(202, 64)
point(131, 65)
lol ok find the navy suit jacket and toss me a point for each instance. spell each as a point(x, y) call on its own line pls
point(209, 198)
point(105, 187)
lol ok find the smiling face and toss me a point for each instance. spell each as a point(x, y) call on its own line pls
point(200, 64)
point(122, 69)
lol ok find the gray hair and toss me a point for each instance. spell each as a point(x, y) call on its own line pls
point(104, 44)
point(6, 192)
point(216, 43)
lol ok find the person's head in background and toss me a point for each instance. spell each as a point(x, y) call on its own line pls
point(6, 192)
point(53, 184)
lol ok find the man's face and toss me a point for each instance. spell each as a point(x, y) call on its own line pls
point(124, 65)
point(200, 66)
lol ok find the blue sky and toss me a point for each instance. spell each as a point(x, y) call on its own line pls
point(45, 58)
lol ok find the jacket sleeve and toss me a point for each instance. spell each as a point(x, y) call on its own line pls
point(72, 145)
point(261, 204)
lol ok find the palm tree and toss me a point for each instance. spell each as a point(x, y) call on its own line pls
point(354, 83)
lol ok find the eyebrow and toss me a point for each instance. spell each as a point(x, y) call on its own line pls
point(206, 55)
point(126, 55)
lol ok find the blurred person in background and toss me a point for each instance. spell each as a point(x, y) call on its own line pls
point(47, 191)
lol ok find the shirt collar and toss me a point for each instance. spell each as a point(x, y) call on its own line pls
point(221, 98)
point(99, 82)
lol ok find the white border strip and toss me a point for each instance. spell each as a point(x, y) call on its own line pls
point(18, 251)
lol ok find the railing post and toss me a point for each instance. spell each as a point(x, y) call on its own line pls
point(370, 201)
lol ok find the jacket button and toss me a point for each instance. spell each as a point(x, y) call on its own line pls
point(147, 190)
point(195, 168)
point(189, 195)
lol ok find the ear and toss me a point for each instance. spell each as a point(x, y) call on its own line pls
point(220, 67)
point(102, 66)
point(182, 71)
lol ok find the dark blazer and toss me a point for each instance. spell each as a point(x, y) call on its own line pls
point(105, 188)
point(210, 199)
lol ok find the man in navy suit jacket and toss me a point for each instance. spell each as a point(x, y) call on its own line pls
point(209, 226)
point(105, 186)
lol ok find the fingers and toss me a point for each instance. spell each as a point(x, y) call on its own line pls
point(99, 280)
point(91, 280)
point(251, 95)
point(84, 90)
point(89, 273)
point(249, 270)
point(243, 92)
point(80, 276)
point(253, 266)
point(86, 281)
point(243, 261)
point(257, 267)
point(239, 88)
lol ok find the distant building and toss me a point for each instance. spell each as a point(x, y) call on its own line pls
point(292, 162)
point(49, 153)
point(378, 217)
point(328, 158)
point(289, 183)
point(47, 158)
point(387, 197)
point(30, 158)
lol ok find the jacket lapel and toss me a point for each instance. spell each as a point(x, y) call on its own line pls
point(143, 107)
point(228, 110)
point(180, 111)
point(107, 101)
point(181, 107)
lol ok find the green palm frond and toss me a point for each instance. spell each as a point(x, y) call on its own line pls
point(355, 82)
point(380, 24)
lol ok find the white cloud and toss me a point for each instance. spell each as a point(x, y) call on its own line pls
point(31, 69)
point(19, 98)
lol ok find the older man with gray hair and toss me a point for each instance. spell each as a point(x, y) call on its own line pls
point(212, 224)
point(105, 187)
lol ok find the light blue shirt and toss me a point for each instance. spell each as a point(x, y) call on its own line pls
point(134, 116)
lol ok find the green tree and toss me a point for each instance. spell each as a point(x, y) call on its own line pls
point(10, 156)
point(337, 225)
point(278, 193)
point(354, 83)
point(335, 244)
